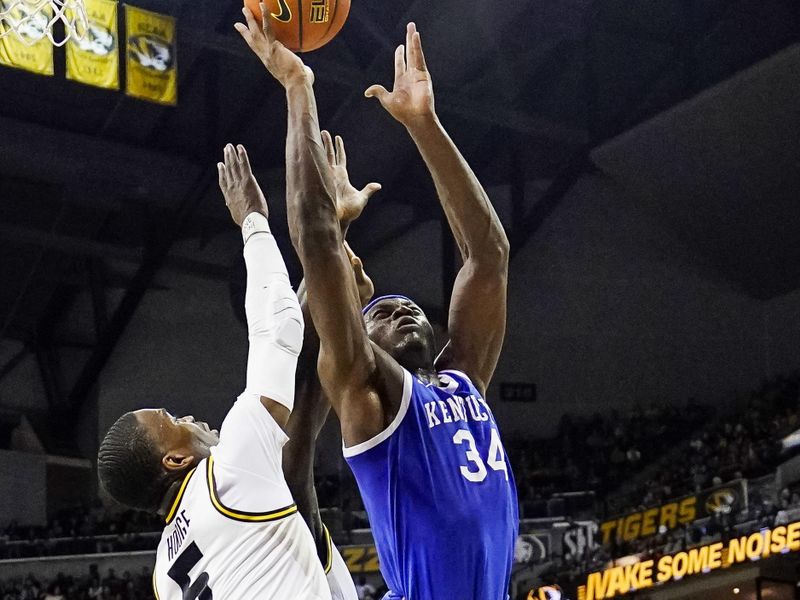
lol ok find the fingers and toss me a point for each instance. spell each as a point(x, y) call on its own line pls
point(244, 160)
point(329, 151)
point(399, 62)
point(376, 91)
point(252, 25)
point(410, 29)
point(358, 268)
point(223, 182)
point(230, 159)
point(370, 189)
point(415, 53)
point(341, 156)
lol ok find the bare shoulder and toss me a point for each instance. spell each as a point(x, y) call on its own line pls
point(368, 406)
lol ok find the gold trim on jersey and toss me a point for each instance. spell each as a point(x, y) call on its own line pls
point(155, 587)
point(328, 562)
point(179, 497)
point(240, 515)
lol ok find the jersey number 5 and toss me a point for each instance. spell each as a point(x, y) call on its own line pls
point(179, 572)
point(496, 459)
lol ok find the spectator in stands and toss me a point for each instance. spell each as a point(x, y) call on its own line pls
point(365, 590)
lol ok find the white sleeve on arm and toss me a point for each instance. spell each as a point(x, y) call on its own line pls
point(274, 318)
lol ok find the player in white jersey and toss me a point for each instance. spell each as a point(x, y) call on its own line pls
point(232, 528)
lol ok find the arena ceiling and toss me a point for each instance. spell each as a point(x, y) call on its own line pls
point(91, 179)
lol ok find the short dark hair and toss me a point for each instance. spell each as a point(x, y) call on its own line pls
point(129, 465)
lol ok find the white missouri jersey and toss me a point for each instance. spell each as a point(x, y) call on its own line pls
point(233, 532)
point(339, 579)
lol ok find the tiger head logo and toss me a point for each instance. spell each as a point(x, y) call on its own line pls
point(151, 52)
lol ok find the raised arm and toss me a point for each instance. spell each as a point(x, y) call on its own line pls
point(274, 318)
point(477, 317)
point(311, 406)
point(354, 375)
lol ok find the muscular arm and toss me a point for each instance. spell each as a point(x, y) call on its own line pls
point(478, 306)
point(352, 371)
point(311, 408)
point(363, 384)
point(477, 319)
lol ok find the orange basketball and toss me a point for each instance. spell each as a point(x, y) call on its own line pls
point(303, 25)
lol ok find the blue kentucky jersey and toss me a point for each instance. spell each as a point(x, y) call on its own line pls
point(440, 495)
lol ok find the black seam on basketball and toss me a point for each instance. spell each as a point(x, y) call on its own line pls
point(300, 26)
point(330, 20)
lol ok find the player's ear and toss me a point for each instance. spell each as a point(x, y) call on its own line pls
point(176, 461)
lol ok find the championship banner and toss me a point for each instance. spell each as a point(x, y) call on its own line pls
point(34, 52)
point(722, 499)
point(152, 69)
point(94, 60)
point(640, 575)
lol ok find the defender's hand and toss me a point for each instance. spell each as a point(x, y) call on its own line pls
point(282, 63)
point(350, 202)
point(366, 289)
point(239, 185)
point(412, 96)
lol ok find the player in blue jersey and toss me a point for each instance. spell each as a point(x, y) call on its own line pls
point(418, 434)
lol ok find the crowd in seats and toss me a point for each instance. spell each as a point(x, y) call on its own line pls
point(742, 445)
point(81, 530)
point(600, 452)
point(596, 453)
point(91, 586)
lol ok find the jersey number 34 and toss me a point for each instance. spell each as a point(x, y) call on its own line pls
point(496, 458)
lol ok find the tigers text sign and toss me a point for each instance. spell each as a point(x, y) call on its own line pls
point(727, 498)
point(621, 580)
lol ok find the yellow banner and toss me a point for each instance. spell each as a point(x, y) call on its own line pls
point(94, 60)
point(361, 559)
point(640, 575)
point(152, 68)
point(29, 48)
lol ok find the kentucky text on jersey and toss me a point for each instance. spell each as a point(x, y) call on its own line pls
point(175, 539)
point(455, 409)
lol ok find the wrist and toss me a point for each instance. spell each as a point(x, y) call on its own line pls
point(296, 80)
point(255, 222)
point(422, 123)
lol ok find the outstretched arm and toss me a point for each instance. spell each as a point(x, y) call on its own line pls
point(274, 319)
point(355, 375)
point(477, 317)
point(311, 406)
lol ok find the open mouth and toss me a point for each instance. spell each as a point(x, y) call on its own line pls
point(407, 323)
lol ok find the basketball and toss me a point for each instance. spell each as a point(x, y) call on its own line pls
point(303, 26)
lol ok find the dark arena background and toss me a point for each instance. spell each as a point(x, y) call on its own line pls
point(644, 158)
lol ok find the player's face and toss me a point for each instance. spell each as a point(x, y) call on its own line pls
point(398, 325)
point(178, 433)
